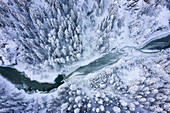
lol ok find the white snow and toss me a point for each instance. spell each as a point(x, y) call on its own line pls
point(123, 103)
point(64, 106)
point(137, 29)
point(77, 110)
point(97, 110)
point(78, 92)
point(132, 107)
point(102, 108)
point(89, 105)
point(73, 87)
point(78, 99)
point(44, 76)
point(116, 109)
point(98, 94)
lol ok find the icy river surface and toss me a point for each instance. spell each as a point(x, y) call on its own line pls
point(21, 80)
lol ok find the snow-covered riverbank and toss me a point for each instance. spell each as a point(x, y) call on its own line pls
point(44, 38)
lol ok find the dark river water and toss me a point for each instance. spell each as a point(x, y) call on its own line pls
point(158, 43)
point(105, 60)
point(21, 81)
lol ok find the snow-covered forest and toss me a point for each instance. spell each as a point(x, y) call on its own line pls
point(90, 56)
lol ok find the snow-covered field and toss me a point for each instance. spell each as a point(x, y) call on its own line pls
point(44, 38)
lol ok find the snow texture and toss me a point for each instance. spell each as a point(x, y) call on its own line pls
point(47, 37)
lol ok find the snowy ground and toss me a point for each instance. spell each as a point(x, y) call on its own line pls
point(138, 82)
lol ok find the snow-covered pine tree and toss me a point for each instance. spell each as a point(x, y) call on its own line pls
point(46, 26)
